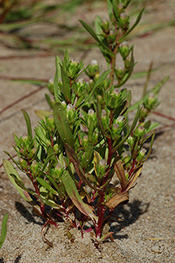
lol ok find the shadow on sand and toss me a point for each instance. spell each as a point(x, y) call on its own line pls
point(125, 215)
point(17, 260)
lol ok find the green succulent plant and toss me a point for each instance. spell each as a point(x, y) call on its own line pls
point(87, 152)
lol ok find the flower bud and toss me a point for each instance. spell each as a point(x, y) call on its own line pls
point(115, 131)
point(115, 92)
point(91, 112)
point(104, 119)
point(120, 73)
point(56, 148)
point(83, 128)
point(143, 114)
point(91, 118)
point(150, 101)
point(70, 112)
point(120, 120)
point(25, 139)
point(120, 8)
point(140, 131)
point(124, 21)
point(23, 163)
point(91, 85)
point(92, 69)
point(85, 141)
point(124, 49)
point(141, 154)
point(34, 150)
point(117, 127)
point(100, 99)
point(105, 26)
point(130, 141)
point(79, 87)
point(101, 168)
point(127, 61)
point(73, 69)
point(111, 38)
point(96, 77)
point(35, 168)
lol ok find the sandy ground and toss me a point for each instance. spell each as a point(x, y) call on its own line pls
point(146, 229)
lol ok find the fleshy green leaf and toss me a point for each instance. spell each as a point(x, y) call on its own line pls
point(66, 85)
point(110, 9)
point(72, 192)
point(3, 230)
point(28, 123)
point(49, 202)
point(62, 124)
point(87, 156)
point(40, 133)
point(93, 34)
point(115, 11)
point(79, 170)
point(158, 86)
point(66, 59)
point(98, 23)
point(42, 114)
point(97, 159)
point(10, 171)
point(46, 185)
point(101, 78)
point(152, 126)
point(49, 157)
point(48, 99)
point(56, 79)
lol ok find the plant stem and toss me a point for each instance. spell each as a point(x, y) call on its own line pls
point(132, 168)
point(110, 151)
point(42, 206)
point(100, 212)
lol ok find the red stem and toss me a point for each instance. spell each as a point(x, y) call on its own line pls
point(132, 168)
point(42, 206)
point(100, 213)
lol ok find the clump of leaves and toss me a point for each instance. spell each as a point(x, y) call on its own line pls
point(87, 152)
